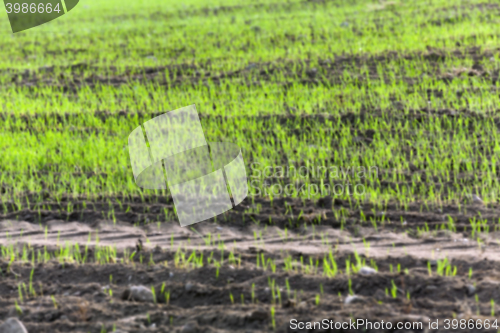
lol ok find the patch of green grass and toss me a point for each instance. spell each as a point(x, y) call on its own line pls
point(236, 71)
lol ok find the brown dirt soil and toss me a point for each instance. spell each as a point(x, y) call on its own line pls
point(328, 70)
point(200, 297)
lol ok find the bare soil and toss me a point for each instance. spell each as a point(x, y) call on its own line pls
point(200, 298)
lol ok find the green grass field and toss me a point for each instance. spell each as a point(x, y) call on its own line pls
point(292, 81)
point(388, 108)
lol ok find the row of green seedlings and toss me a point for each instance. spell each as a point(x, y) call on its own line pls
point(18, 204)
point(478, 225)
point(72, 253)
point(169, 214)
point(68, 253)
point(329, 265)
point(338, 214)
point(445, 268)
point(70, 207)
point(108, 254)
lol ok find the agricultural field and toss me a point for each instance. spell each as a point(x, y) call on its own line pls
point(369, 130)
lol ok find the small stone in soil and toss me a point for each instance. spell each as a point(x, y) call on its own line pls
point(259, 314)
point(190, 327)
point(12, 325)
point(353, 299)
point(138, 293)
point(367, 271)
point(471, 290)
